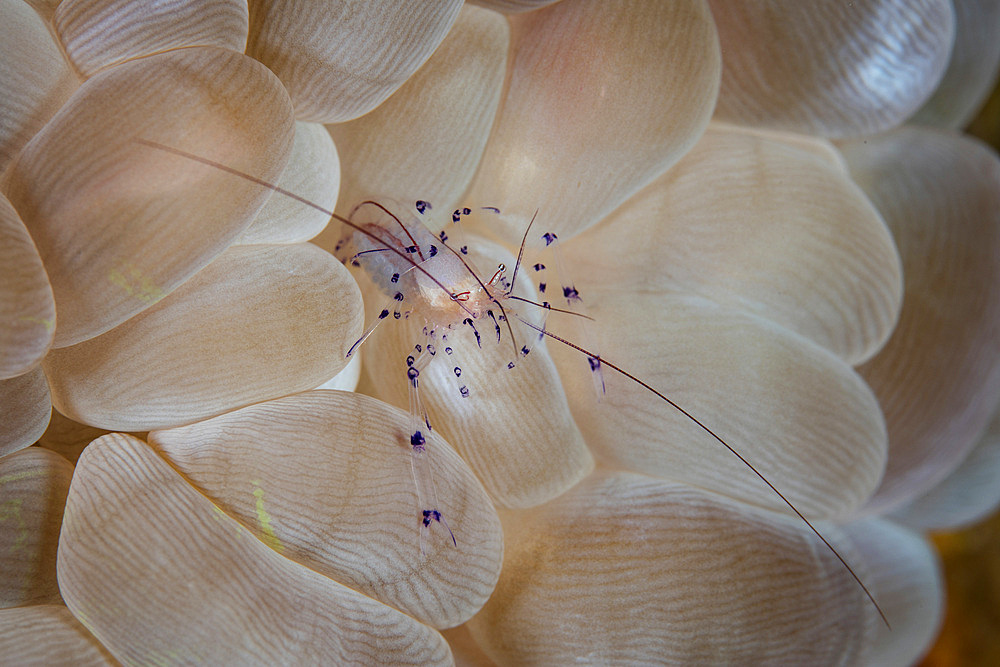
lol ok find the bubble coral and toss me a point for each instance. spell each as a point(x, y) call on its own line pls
point(824, 306)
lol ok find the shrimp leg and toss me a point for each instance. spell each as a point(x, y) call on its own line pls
point(423, 477)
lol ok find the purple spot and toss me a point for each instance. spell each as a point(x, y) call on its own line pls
point(458, 372)
point(571, 293)
point(549, 237)
point(422, 206)
point(473, 327)
point(443, 237)
point(384, 314)
point(417, 441)
point(539, 267)
point(398, 296)
point(464, 391)
point(395, 278)
point(541, 287)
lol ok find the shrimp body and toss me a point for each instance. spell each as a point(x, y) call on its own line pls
point(470, 298)
point(419, 271)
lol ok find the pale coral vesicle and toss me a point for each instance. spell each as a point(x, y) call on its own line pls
point(807, 300)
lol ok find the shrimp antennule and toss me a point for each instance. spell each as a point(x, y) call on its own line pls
point(520, 252)
point(549, 307)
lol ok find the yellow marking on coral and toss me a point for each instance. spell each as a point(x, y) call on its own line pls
point(225, 519)
point(219, 514)
point(84, 619)
point(19, 476)
point(264, 519)
point(10, 510)
point(48, 322)
point(164, 658)
point(135, 283)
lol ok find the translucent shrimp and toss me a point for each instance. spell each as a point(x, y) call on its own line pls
point(423, 276)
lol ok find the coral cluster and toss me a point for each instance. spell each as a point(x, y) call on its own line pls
point(770, 213)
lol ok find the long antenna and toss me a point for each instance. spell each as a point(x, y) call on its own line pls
point(302, 200)
point(724, 444)
point(547, 306)
point(544, 332)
